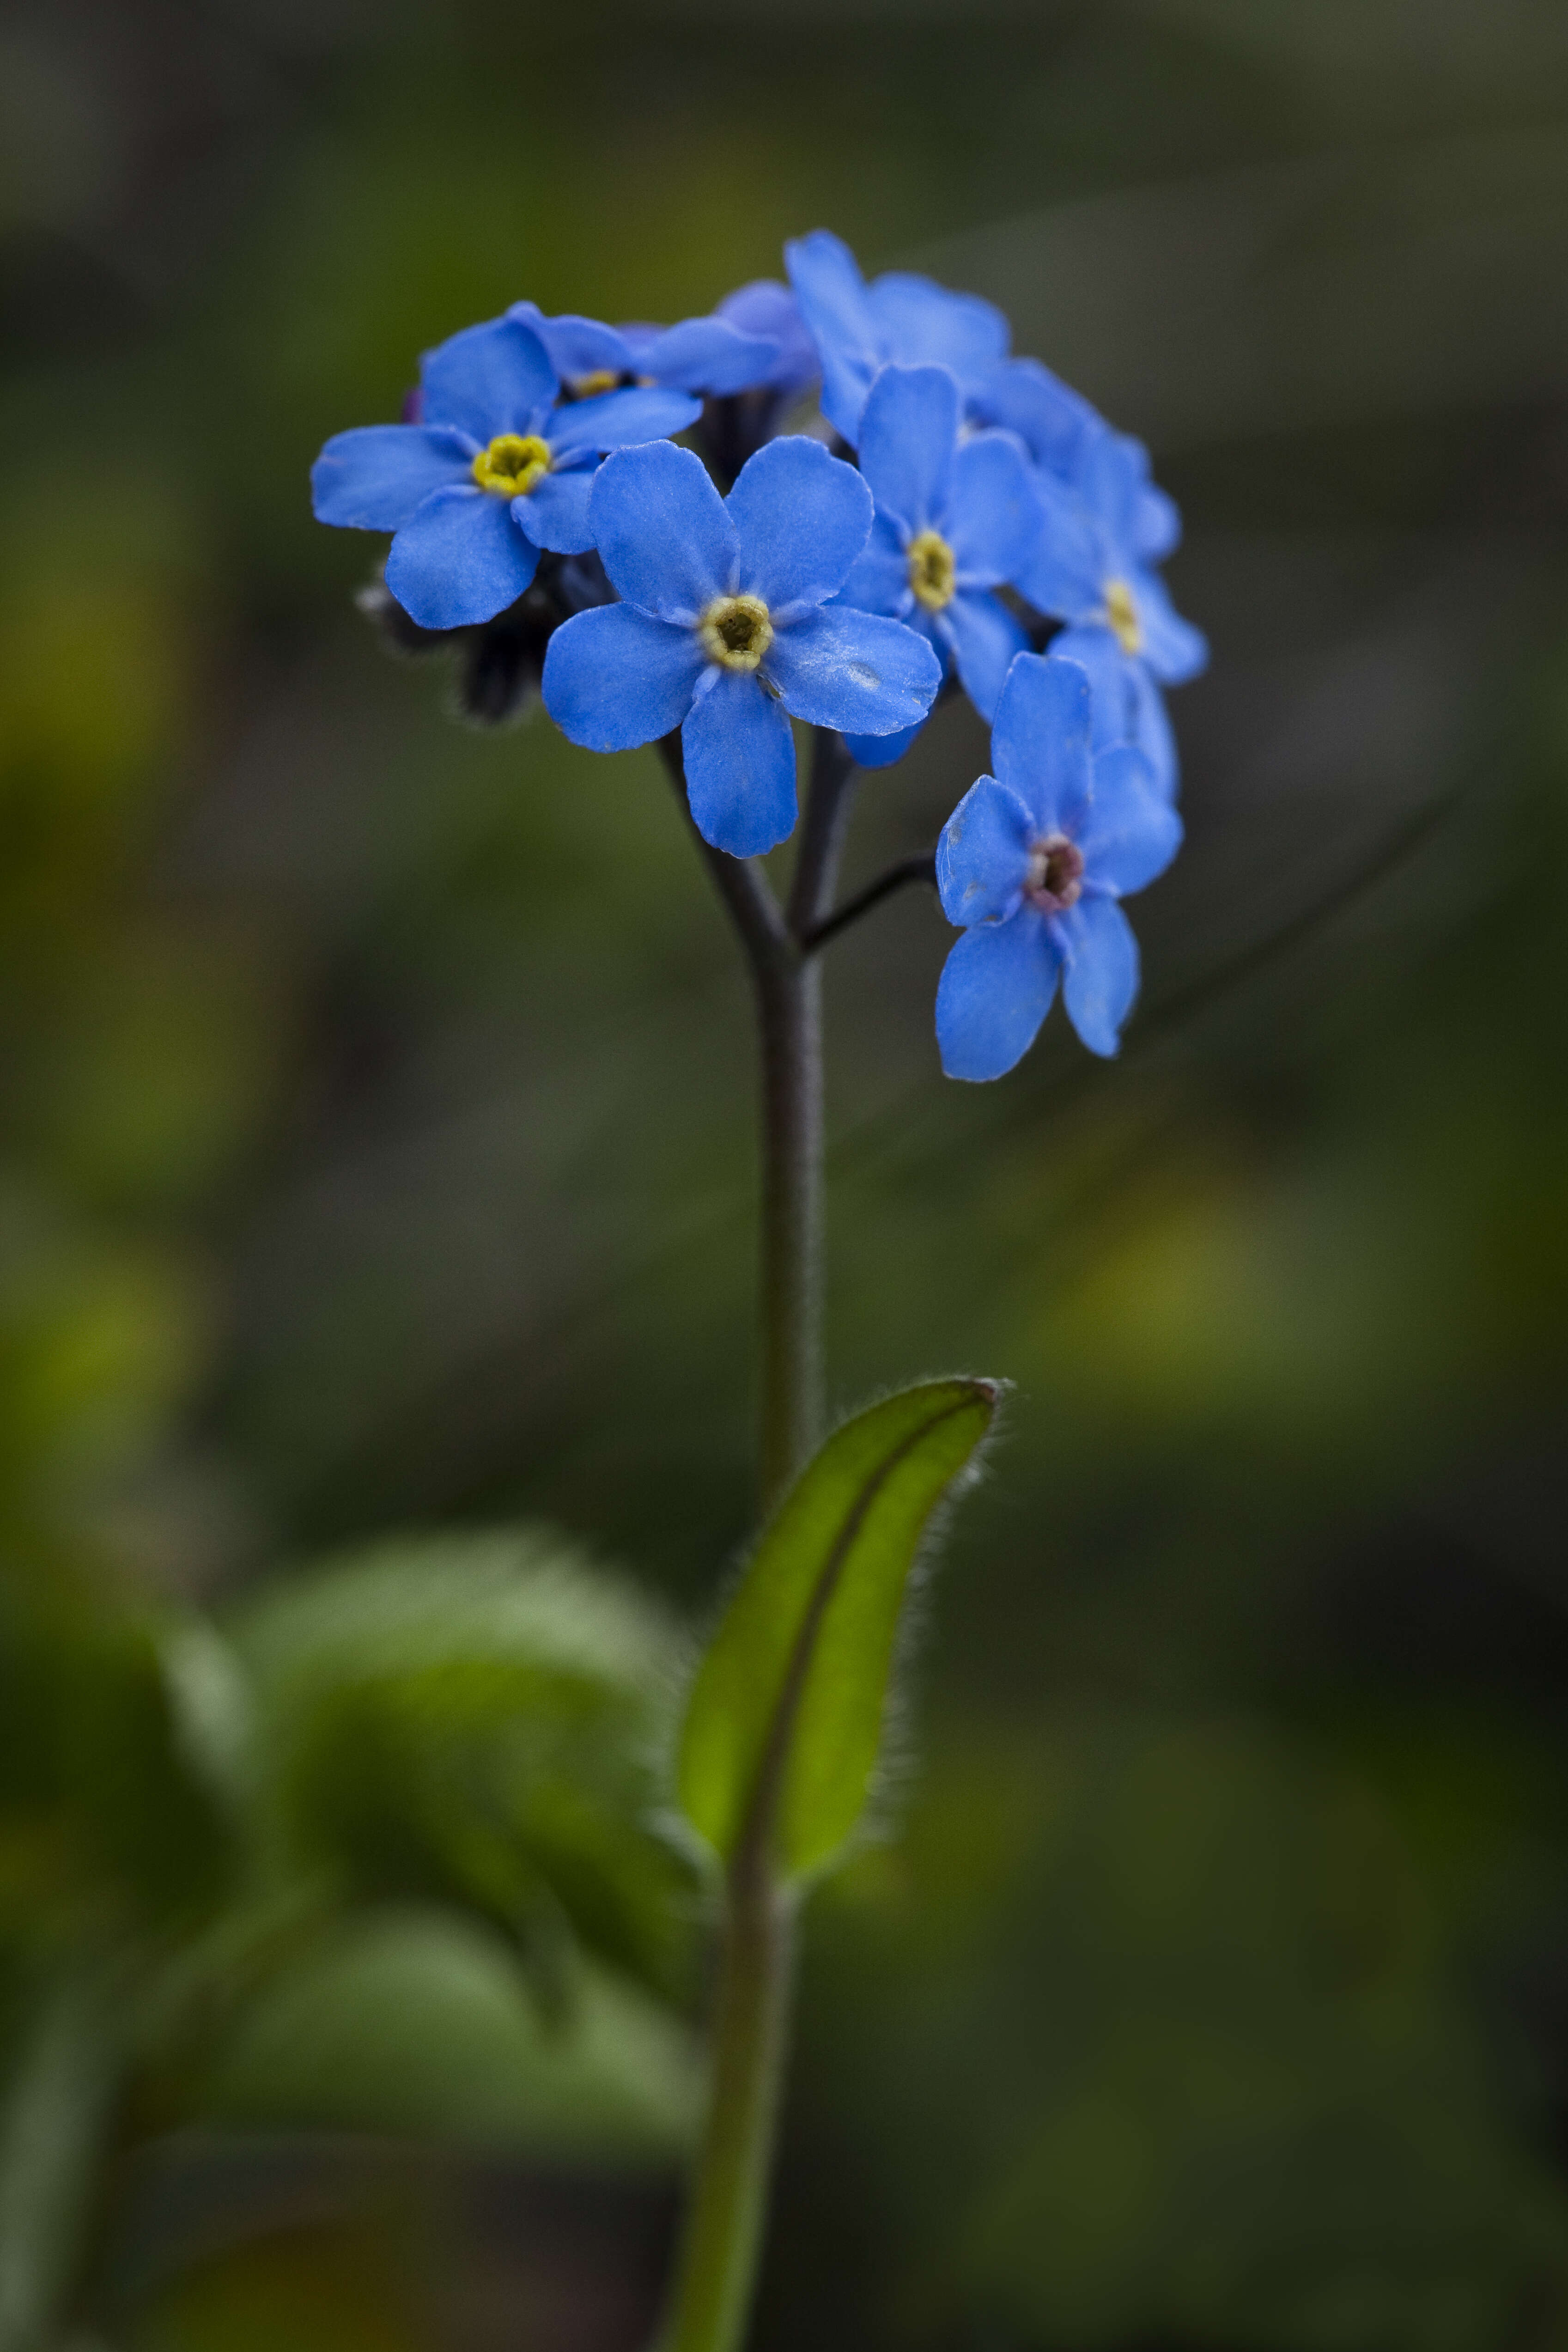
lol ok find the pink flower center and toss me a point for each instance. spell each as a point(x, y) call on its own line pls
point(1055, 879)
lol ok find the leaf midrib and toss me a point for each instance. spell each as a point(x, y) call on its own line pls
point(762, 1808)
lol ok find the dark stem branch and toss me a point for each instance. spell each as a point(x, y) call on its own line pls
point(897, 877)
point(739, 881)
point(828, 803)
point(789, 1012)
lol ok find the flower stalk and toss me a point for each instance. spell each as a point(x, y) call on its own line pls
point(722, 2241)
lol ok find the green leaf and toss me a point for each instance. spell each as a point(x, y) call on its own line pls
point(478, 1717)
point(416, 2021)
point(54, 2108)
point(785, 1718)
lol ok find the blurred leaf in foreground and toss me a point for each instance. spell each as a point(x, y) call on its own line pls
point(59, 2088)
point(479, 1718)
point(413, 2021)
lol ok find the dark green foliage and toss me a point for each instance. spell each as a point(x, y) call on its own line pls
point(481, 1719)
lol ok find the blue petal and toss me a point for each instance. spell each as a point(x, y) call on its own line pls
point(832, 299)
point(767, 308)
point(1173, 648)
point(487, 380)
point(708, 355)
point(458, 560)
point(1131, 832)
point(802, 517)
point(613, 678)
point(1065, 575)
point(1096, 650)
point(373, 477)
point(554, 513)
point(1040, 744)
point(1101, 959)
point(881, 751)
point(616, 420)
point(662, 531)
point(982, 857)
point(1110, 474)
point(1048, 416)
point(986, 639)
point(740, 766)
point(1157, 528)
point(577, 346)
point(908, 431)
point(995, 516)
point(1151, 731)
point(838, 667)
point(994, 991)
point(919, 320)
point(878, 579)
point(1127, 704)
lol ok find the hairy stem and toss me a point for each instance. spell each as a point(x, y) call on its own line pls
point(724, 2228)
point(790, 1021)
point(722, 2241)
point(788, 992)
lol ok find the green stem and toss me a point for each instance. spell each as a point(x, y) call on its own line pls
point(716, 2271)
point(790, 1019)
point(724, 2228)
point(790, 1008)
point(786, 987)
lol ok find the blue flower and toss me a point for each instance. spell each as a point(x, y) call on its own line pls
point(1106, 525)
point(1033, 862)
point(494, 471)
point(717, 355)
point(733, 427)
point(859, 329)
point(724, 631)
point(1050, 419)
point(954, 520)
point(766, 308)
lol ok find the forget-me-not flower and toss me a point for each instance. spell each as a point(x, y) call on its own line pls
point(1034, 862)
point(715, 354)
point(769, 309)
point(495, 470)
point(954, 519)
point(735, 425)
point(1105, 528)
point(725, 628)
point(898, 318)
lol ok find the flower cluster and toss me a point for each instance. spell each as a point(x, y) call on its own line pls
point(832, 501)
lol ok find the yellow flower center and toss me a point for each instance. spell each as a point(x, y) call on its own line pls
point(1123, 615)
point(512, 463)
point(597, 380)
point(735, 631)
point(933, 570)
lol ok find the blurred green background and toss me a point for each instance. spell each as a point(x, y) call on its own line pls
point(375, 1184)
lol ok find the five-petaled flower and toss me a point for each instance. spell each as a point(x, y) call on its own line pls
point(1032, 863)
point(715, 354)
point(898, 318)
point(495, 470)
point(954, 519)
point(725, 628)
point(1106, 526)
